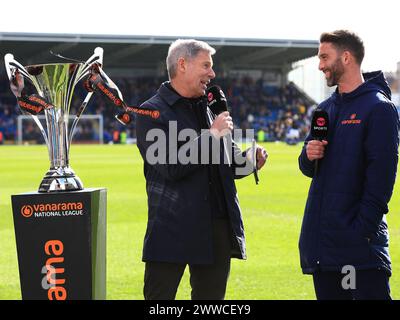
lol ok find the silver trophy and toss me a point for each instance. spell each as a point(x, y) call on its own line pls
point(55, 83)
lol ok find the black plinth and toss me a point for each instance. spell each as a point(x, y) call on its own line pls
point(61, 244)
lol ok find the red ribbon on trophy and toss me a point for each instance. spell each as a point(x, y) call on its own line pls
point(34, 103)
point(99, 81)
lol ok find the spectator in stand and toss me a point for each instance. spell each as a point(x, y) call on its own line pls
point(246, 97)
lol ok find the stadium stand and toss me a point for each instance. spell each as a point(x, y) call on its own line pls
point(274, 110)
point(252, 72)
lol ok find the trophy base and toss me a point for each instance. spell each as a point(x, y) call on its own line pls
point(59, 180)
point(74, 233)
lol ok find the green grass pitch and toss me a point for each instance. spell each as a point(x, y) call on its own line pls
point(272, 213)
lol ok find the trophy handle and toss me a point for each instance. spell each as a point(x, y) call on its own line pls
point(7, 60)
point(12, 66)
point(97, 57)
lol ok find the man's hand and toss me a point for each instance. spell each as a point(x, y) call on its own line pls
point(222, 125)
point(261, 156)
point(315, 149)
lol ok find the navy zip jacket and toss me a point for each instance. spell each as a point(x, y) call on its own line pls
point(179, 228)
point(344, 220)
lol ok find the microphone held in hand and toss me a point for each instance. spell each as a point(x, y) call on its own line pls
point(216, 100)
point(217, 104)
point(320, 125)
point(319, 129)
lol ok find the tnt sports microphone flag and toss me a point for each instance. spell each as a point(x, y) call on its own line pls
point(216, 100)
point(319, 129)
point(320, 124)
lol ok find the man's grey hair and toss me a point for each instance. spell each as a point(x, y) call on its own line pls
point(187, 49)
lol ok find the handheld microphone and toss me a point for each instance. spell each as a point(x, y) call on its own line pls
point(319, 129)
point(218, 104)
point(216, 100)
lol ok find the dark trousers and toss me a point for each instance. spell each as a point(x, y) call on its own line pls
point(369, 285)
point(208, 282)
